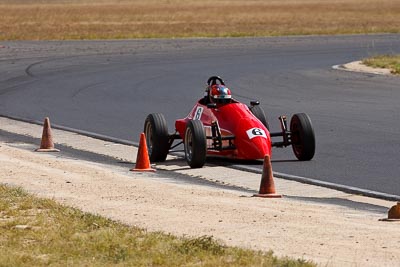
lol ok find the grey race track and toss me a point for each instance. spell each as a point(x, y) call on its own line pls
point(108, 88)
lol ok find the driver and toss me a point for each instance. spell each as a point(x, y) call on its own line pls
point(219, 94)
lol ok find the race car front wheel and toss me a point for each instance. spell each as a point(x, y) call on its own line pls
point(195, 144)
point(157, 138)
point(302, 136)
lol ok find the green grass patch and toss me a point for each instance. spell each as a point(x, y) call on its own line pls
point(391, 62)
point(40, 232)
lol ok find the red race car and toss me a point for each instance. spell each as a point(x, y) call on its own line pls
point(219, 125)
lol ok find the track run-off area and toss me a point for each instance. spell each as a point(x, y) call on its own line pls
point(107, 88)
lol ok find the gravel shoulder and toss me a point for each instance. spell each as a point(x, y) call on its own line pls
point(357, 66)
point(314, 223)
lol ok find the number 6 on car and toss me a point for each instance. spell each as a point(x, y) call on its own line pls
point(219, 125)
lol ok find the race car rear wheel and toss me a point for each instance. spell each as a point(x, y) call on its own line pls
point(302, 136)
point(157, 138)
point(195, 144)
point(259, 113)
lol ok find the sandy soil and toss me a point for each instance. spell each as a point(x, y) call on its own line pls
point(329, 234)
point(357, 66)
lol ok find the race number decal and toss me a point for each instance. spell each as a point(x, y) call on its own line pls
point(197, 114)
point(255, 132)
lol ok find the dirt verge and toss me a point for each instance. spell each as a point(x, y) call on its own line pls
point(357, 66)
point(326, 226)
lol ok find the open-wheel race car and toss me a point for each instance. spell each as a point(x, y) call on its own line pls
point(219, 125)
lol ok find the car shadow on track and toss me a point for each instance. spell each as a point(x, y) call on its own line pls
point(223, 162)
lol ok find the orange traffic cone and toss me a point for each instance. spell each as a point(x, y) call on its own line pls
point(394, 212)
point(142, 159)
point(47, 144)
point(267, 185)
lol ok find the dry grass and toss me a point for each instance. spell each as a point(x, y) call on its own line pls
point(115, 19)
point(40, 232)
point(391, 62)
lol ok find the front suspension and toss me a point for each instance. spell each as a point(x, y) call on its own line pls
point(285, 133)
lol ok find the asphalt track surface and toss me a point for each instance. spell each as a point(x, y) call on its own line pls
point(109, 87)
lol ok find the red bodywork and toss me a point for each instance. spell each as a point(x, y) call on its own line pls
point(251, 138)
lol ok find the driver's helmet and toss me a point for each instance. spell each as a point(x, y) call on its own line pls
point(220, 94)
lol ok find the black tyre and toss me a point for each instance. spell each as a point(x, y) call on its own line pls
point(302, 136)
point(157, 137)
point(259, 113)
point(195, 144)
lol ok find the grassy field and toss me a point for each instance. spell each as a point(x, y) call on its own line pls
point(40, 232)
point(116, 19)
point(391, 62)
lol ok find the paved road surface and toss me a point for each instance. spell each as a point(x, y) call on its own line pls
point(108, 87)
